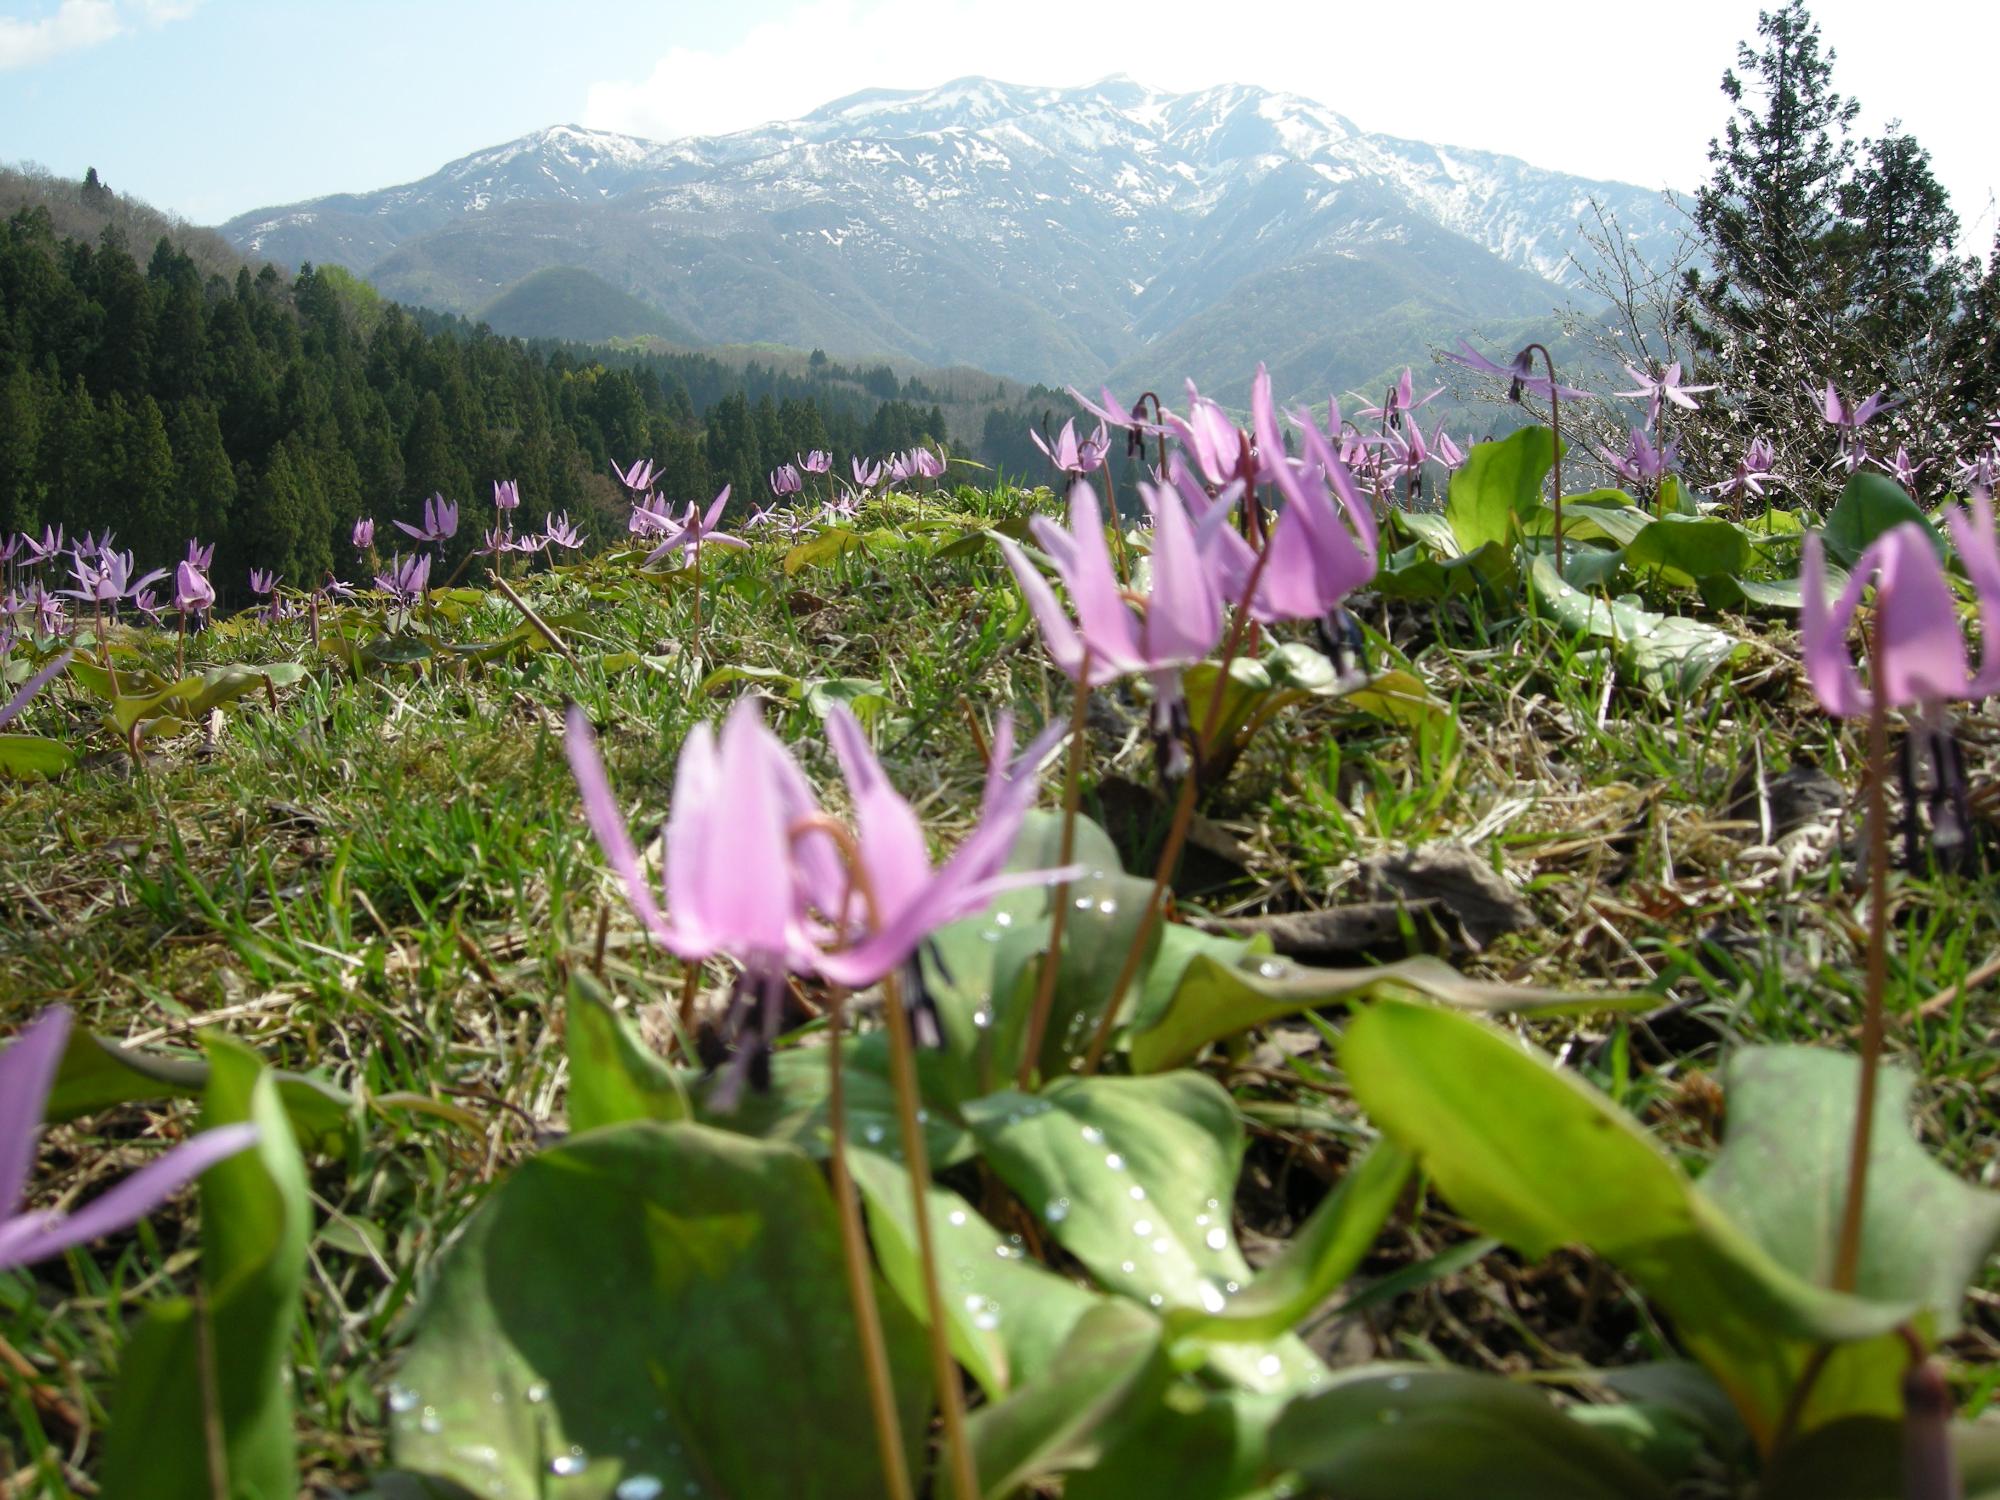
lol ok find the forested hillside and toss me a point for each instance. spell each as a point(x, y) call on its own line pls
point(266, 414)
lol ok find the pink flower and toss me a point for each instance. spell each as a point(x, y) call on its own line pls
point(440, 521)
point(639, 477)
point(193, 593)
point(364, 534)
point(1919, 658)
point(506, 494)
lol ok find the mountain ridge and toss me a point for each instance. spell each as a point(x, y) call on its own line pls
point(1044, 233)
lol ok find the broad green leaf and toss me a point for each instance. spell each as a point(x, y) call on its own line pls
point(1535, 1156)
point(1105, 1381)
point(256, 1222)
point(613, 1076)
point(1426, 1434)
point(1432, 531)
point(1870, 505)
point(1687, 549)
point(829, 545)
point(1782, 1178)
point(1192, 1443)
point(1318, 1260)
point(1398, 697)
point(650, 1301)
point(1135, 1177)
point(1412, 573)
point(1008, 1313)
point(1665, 654)
point(95, 1074)
point(1214, 1000)
point(793, 1109)
point(1596, 515)
point(1498, 487)
point(862, 695)
point(31, 755)
point(222, 685)
point(770, 679)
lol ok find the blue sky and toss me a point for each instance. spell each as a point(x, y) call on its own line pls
point(214, 107)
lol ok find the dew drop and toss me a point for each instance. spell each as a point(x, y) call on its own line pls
point(873, 1134)
point(1106, 907)
point(1128, 1267)
point(537, 1393)
point(566, 1464)
point(430, 1421)
point(1399, 1383)
point(402, 1398)
point(1270, 1364)
point(638, 1487)
point(982, 1018)
point(1093, 1136)
point(1142, 1227)
point(1138, 1193)
point(1155, 1300)
point(1083, 903)
point(1003, 918)
point(1115, 1162)
point(1216, 1239)
point(1162, 1245)
point(1270, 968)
point(1212, 1299)
point(1058, 1211)
point(956, 1218)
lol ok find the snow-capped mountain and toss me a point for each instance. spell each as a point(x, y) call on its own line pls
point(1059, 234)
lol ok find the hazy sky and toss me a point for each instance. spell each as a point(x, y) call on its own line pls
point(212, 107)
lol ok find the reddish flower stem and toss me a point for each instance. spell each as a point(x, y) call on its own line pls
point(1045, 984)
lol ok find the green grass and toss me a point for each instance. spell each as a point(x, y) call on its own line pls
point(387, 878)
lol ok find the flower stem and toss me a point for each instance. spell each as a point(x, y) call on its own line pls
point(1555, 428)
point(860, 1280)
point(1045, 984)
point(1847, 1249)
point(951, 1395)
point(1170, 852)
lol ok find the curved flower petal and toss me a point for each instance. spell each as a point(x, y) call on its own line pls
point(27, 1072)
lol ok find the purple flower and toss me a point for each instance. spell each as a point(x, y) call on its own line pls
point(50, 545)
point(1978, 475)
point(1444, 450)
point(1666, 387)
point(498, 540)
point(1516, 374)
point(9, 712)
point(819, 461)
point(784, 480)
point(1919, 657)
point(1755, 469)
point(1642, 463)
point(1182, 615)
point(695, 530)
point(193, 593)
point(867, 474)
point(407, 578)
point(506, 495)
point(262, 581)
point(639, 478)
point(561, 533)
point(148, 603)
point(364, 533)
point(27, 1072)
point(650, 517)
point(1401, 402)
point(1068, 454)
point(911, 900)
point(440, 521)
point(108, 578)
point(1210, 436)
point(1111, 412)
point(200, 556)
point(1901, 468)
point(927, 464)
point(1848, 419)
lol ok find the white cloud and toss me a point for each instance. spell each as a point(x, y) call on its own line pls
point(78, 24)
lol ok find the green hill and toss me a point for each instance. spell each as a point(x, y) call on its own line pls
point(568, 302)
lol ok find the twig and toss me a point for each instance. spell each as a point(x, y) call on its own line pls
point(541, 626)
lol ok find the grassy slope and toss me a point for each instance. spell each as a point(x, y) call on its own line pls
point(387, 878)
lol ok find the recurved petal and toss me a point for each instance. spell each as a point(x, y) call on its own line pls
point(1823, 633)
point(27, 1072)
point(600, 810)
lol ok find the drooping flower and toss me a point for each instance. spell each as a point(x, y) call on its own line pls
point(498, 539)
point(927, 463)
point(650, 517)
point(1919, 656)
point(364, 533)
point(105, 576)
point(560, 533)
point(1517, 374)
point(27, 1073)
point(50, 545)
point(1068, 454)
point(911, 900)
point(262, 581)
point(1447, 453)
point(1902, 468)
point(819, 461)
point(202, 557)
point(440, 521)
point(1980, 474)
point(785, 480)
point(1210, 436)
point(1317, 558)
point(506, 494)
point(867, 472)
point(193, 593)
